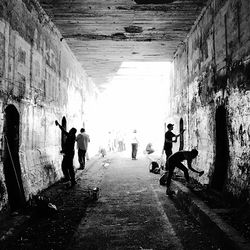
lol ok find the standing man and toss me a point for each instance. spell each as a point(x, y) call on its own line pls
point(168, 140)
point(168, 144)
point(82, 145)
point(69, 152)
point(175, 161)
point(134, 143)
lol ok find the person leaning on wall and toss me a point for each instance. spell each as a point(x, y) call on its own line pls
point(68, 154)
point(169, 138)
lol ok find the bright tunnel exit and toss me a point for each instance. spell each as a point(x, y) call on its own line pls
point(136, 98)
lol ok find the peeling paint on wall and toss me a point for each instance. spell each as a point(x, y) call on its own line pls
point(218, 68)
point(40, 76)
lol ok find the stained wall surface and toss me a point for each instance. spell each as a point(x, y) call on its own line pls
point(43, 81)
point(211, 92)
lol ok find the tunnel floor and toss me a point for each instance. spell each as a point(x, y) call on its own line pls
point(132, 212)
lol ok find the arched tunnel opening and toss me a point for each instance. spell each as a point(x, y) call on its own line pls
point(222, 149)
point(12, 168)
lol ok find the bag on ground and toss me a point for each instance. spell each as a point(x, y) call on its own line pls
point(154, 167)
point(163, 179)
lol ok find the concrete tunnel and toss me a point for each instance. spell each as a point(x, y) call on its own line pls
point(115, 66)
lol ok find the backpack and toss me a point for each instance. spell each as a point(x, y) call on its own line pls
point(154, 167)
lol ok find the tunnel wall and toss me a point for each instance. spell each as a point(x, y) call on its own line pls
point(211, 71)
point(40, 76)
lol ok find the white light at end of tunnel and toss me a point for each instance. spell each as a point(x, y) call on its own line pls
point(136, 99)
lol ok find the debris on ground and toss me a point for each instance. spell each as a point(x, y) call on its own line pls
point(43, 206)
point(106, 163)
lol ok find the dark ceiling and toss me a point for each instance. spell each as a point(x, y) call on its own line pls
point(104, 33)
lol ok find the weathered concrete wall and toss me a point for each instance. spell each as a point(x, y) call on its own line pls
point(40, 76)
point(212, 70)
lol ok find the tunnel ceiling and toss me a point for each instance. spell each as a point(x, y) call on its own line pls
point(104, 33)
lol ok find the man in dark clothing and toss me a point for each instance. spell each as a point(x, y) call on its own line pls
point(69, 152)
point(175, 161)
point(168, 142)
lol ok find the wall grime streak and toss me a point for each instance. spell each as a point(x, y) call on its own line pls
point(218, 78)
point(32, 59)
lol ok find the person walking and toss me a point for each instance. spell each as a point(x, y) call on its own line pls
point(82, 140)
point(68, 154)
point(134, 143)
point(175, 161)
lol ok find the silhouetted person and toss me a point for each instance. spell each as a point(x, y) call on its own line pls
point(82, 145)
point(175, 161)
point(168, 140)
point(134, 143)
point(69, 152)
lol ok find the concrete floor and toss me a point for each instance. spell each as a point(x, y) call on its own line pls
point(132, 212)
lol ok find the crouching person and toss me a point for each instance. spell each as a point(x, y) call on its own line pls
point(175, 161)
